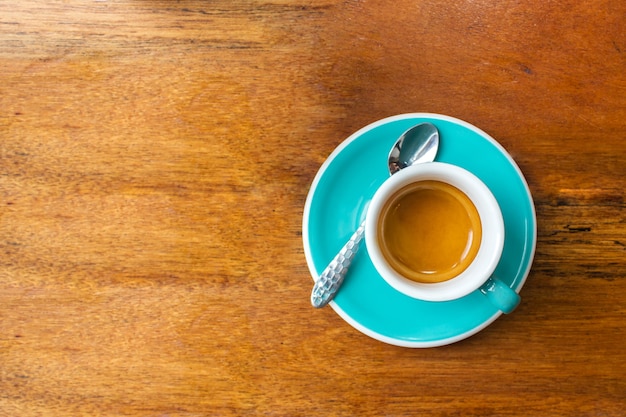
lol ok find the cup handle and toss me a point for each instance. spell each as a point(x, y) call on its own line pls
point(501, 295)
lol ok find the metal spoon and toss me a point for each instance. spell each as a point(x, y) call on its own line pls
point(417, 145)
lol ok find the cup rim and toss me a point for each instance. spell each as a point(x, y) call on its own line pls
point(491, 245)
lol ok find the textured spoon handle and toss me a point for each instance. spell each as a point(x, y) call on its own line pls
point(329, 282)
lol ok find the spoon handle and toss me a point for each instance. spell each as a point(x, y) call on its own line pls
point(331, 278)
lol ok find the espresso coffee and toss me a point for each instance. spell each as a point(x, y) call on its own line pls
point(429, 231)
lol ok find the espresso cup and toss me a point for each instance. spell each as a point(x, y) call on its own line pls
point(435, 232)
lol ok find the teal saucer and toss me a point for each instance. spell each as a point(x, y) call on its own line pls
point(337, 203)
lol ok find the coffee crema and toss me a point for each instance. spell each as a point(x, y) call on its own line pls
point(429, 231)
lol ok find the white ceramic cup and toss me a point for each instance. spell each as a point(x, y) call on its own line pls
point(478, 275)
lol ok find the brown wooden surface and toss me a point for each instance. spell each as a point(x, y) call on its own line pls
point(155, 159)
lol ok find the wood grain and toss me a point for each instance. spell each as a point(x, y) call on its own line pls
point(154, 161)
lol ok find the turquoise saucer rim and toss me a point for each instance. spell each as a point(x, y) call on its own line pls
point(461, 144)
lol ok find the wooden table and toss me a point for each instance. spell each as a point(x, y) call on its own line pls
point(156, 157)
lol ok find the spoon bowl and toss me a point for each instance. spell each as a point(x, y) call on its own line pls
point(417, 145)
